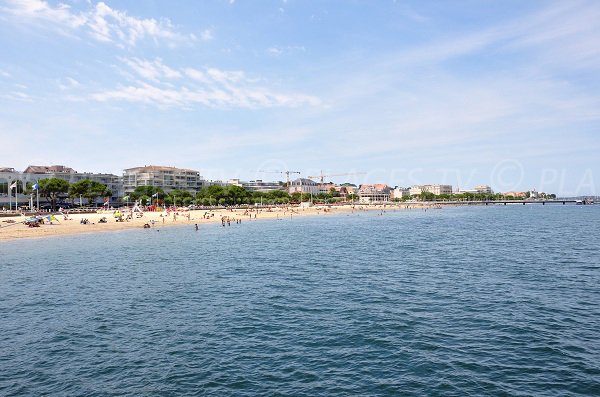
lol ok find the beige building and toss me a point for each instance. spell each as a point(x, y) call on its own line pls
point(257, 186)
point(400, 192)
point(415, 190)
point(35, 173)
point(167, 178)
point(485, 189)
point(304, 186)
point(378, 192)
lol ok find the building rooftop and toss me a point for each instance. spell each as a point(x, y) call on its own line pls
point(48, 169)
point(379, 187)
point(159, 168)
point(304, 181)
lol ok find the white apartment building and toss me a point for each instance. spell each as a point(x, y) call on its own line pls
point(257, 186)
point(400, 192)
point(415, 190)
point(167, 178)
point(35, 173)
point(303, 185)
point(484, 189)
point(378, 192)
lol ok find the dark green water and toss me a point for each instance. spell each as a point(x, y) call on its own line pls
point(463, 301)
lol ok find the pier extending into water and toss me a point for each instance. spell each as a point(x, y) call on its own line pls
point(506, 202)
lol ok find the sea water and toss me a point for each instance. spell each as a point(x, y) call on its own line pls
point(501, 300)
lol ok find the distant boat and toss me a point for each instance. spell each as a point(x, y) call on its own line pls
point(579, 202)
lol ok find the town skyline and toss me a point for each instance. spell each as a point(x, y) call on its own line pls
point(193, 180)
point(459, 93)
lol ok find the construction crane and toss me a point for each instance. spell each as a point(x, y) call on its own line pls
point(287, 174)
point(322, 176)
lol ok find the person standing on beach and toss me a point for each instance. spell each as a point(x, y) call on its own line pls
point(196, 227)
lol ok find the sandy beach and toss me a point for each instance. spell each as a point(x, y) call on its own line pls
point(72, 225)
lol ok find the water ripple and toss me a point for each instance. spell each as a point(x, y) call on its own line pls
point(476, 301)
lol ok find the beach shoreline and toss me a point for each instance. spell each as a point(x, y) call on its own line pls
point(73, 225)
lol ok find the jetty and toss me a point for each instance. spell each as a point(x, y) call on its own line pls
point(507, 202)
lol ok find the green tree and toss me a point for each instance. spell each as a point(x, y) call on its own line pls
point(235, 194)
point(295, 197)
point(427, 196)
point(143, 192)
point(215, 192)
point(95, 190)
point(89, 189)
point(179, 197)
point(78, 189)
point(52, 189)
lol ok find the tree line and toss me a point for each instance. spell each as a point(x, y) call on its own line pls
point(226, 195)
point(56, 189)
point(209, 195)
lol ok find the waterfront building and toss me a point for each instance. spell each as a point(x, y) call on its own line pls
point(415, 190)
point(378, 192)
point(35, 173)
point(49, 169)
point(325, 188)
point(167, 178)
point(257, 185)
point(483, 189)
point(479, 189)
point(304, 186)
point(400, 192)
point(347, 189)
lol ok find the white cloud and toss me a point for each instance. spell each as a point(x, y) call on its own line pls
point(17, 96)
point(151, 70)
point(101, 22)
point(4, 73)
point(564, 33)
point(40, 9)
point(68, 83)
point(210, 87)
point(277, 50)
point(415, 99)
point(207, 35)
point(196, 74)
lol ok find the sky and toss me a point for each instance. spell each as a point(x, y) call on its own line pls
point(503, 93)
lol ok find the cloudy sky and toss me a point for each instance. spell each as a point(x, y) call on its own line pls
point(505, 93)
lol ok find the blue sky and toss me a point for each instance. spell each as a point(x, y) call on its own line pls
point(505, 93)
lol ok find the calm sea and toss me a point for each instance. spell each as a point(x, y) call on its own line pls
point(473, 301)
